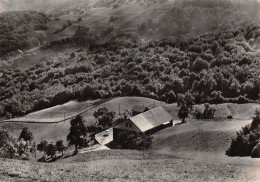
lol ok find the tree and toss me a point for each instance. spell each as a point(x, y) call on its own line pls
point(207, 83)
point(104, 116)
point(208, 112)
point(183, 113)
point(256, 121)
point(217, 97)
point(26, 134)
point(198, 115)
point(6, 145)
point(185, 102)
point(171, 97)
point(77, 132)
point(60, 146)
point(69, 22)
point(42, 147)
point(51, 150)
point(200, 64)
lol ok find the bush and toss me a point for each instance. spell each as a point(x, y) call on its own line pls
point(7, 149)
point(51, 150)
point(208, 112)
point(133, 140)
point(26, 134)
point(246, 139)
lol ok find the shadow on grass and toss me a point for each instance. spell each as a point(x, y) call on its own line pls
point(49, 159)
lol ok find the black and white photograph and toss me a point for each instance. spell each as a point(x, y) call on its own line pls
point(130, 90)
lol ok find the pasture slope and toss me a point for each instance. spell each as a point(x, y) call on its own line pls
point(194, 151)
point(49, 124)
point(129, 16)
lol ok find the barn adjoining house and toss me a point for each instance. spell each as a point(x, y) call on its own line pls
point(138, 110)
point(149, 122)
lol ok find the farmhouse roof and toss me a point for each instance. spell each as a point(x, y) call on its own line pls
point(151, 119)
point(139, 109)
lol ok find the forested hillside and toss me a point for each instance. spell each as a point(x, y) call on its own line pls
point(18, 30)
point(215, 67)
point(152, 19)
point(200, 16)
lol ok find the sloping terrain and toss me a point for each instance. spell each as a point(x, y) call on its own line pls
point(86, 109)
point(189, 152)
point(139, 168)
point(200, 136)
point(18, 30)
point(151, 19)
point(153, 165)
point(48, 123)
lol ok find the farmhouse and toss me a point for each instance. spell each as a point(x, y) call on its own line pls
point(148, 122)
point(138, 110)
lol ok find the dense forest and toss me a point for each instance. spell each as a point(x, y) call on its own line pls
point(215, 67)
point(18, 30)
point(200, 16)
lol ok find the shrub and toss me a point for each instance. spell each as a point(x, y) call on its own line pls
point(42, 147)
point(6, 145)
point(51, 150)
point(246, 139)
point(132, 140)
point(60, 146)
point(26, 135)
point(208, 112)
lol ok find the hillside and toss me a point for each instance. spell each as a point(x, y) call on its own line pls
point(18, 30)
point(212, 137)
point(201, 16)
point(133, 166)
point(151, 19)
point(63, 58)
point(216, 68)
point(148, 20)
point(48, 123)
point(192, 151)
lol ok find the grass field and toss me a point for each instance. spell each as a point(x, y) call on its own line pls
point(194, 151)
point(48, 124)
point(133, 166)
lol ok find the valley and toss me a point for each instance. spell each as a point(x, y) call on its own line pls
point(191, 151)
point(129, 90)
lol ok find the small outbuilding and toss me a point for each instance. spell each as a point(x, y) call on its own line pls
point(256, 151)
point(150, 122)
point(138, 110)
